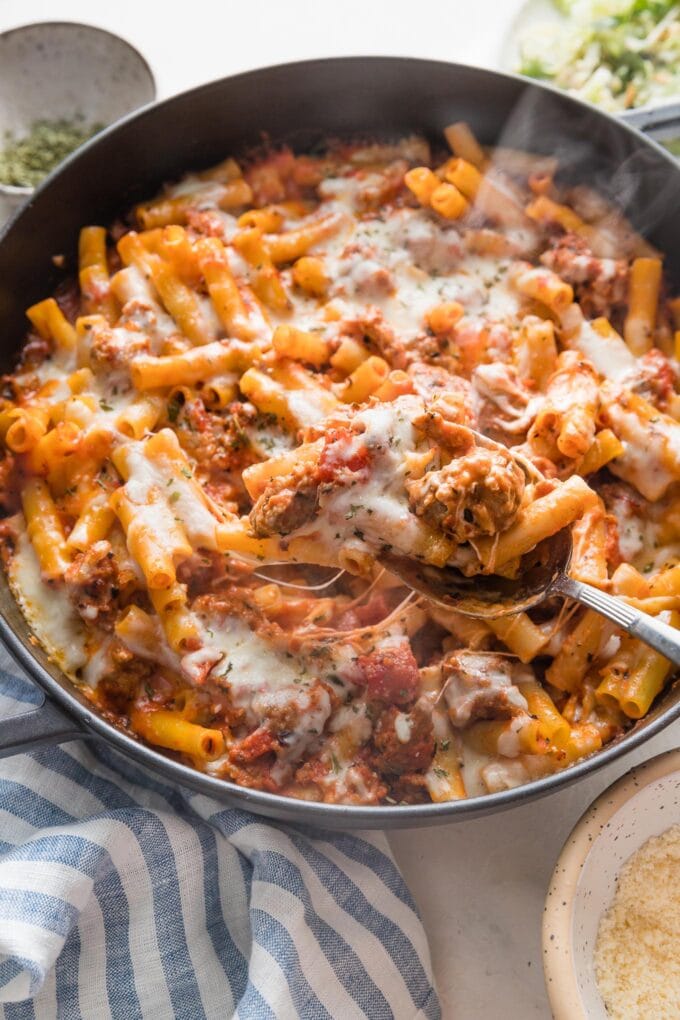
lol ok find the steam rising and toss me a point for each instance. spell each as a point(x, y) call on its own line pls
point(592, 150)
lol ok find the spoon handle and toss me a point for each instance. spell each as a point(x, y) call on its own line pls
point(652, 631)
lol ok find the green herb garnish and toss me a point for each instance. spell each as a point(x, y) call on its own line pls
point(25, 161)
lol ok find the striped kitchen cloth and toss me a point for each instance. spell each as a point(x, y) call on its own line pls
point(123, 896)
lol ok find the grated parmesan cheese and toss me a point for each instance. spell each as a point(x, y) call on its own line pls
point(637, 958)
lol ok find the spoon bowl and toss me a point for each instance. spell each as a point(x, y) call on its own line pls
point(489, 595)
point(542, 573)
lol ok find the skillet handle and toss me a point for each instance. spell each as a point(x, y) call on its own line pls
point(661, 123)
point(46, 724)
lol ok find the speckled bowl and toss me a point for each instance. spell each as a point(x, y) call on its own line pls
point(643, 803)
point(58, 69)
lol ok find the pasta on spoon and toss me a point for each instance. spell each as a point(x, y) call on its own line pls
point(408, 477)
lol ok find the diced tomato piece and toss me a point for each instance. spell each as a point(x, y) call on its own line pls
point(373, 611)
point(339, 455)
point(396, 755)
point(391, 674)
point(257, 743)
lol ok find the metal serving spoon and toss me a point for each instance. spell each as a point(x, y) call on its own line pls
point(542, 573)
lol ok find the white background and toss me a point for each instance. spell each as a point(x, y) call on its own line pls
point(480, 885)
point(198, 40)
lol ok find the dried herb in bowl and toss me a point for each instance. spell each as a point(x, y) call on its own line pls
point(25, 161)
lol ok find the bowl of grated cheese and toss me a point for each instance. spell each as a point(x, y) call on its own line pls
point(611, 926)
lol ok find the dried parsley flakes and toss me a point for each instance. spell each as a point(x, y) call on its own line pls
point(25, 161)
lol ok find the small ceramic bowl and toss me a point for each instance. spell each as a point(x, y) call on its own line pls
point(643, 803)
point(61, 70)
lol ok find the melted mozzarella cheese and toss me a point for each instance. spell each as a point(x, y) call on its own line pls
point(344, 665)
point(375, 511)
point(158, 650)
point(610, 355)
point(503, 775)
point(250, 665)
point(645, 458)
point(141, 308)
point(354, 720)
point(635, 535)
point(508, 742)
point(192, 184)
point(265, 681)
point(146, 474)
point(484, 676)
point(403, 264)
point(98, 666)
point(55, 371)
point(403, 727)
point(48, 611)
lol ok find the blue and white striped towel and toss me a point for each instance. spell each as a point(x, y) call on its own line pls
point(122, 896)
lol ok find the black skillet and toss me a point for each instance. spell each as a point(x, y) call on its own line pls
point(302, 103)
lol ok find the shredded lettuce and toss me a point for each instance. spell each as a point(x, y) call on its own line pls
point(615, 53)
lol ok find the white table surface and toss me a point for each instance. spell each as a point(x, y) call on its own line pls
point(480, 885)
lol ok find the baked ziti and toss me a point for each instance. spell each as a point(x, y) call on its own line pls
point(275, 371)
